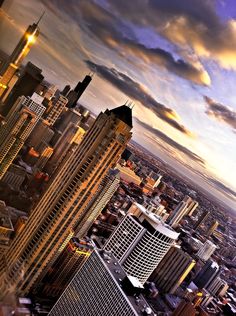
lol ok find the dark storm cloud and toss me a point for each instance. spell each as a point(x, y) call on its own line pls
point(157, 133)
point(136, 91)
point(194, 24)
point(116, 34)
point(221, 112)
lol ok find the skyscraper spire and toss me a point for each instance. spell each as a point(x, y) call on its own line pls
point(40, 18)
point(9, 68)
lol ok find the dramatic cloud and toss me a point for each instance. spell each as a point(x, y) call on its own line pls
point(221, 112)
point(171, 142)
point(136, 91)
point(190, 24)
point(114, 33)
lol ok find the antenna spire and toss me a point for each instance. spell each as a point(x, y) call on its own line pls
point(40, 18)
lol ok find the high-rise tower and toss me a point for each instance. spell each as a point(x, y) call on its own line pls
point(106, 190)
point(140, 242)
point(26, 85)
point(10, 67)
point(64, 202)
point(19, 124)
point(74, 95)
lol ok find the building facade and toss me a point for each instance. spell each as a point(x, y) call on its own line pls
point(140, 242)
point(20, 122)
point(96, 290)
point(105, 192)
point(172, 270)
point(63, 204)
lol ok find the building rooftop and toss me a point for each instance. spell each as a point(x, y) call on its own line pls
point(124, 113)
point(138, 303)
point(157, 222)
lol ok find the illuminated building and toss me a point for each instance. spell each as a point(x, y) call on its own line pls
point(10, 67)
point(178, 213)
point(185, 207)
point(20, 122)
point(64, 268)
point(101, 287)
point(140, 242)
point(105, 191)
point(55, 107)
point(205, 252)
point(172, 270)
point(62, 205)
point(212, 228)
point(70, 138)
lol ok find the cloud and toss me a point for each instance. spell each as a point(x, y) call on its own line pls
point(189, 24)
point(111, 29)
point(157, 133)
point(136, 91)
point(221, 112)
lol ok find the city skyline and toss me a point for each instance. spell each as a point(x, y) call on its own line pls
point(173, 87)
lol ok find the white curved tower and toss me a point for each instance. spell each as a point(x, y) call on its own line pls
point(140, 242)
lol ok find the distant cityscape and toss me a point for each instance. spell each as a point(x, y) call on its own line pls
point(92, 223)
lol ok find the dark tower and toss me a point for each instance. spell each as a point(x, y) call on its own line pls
point(74, 95)
point(28, 81)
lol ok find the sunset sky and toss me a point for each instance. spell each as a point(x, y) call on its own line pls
point(176, 60)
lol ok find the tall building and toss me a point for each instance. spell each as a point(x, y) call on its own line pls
point(10, 67)
point(26, 85)
point(55, 107)
point(212, 228)
point(205, 252)
point(201, 219)
point(101, 288)
point(19, 124)
point(172, 270)
point(68, 140)
point(70, 260)
point(74, 95)
point(140, 242)
point(179, 212)
point(63, 204)
point(207, 274)
point(105, 192)
point(217, 287)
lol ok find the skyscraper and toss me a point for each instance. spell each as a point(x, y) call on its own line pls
point(29, 79)
point(212, 228)
point(206, 275)
point(70, 260)
point(102, 288)
point(74, 95)
point(19, 124)
point(55, 107)
point(106, 190)
point(205, 252)
point(201, 219)
point(10, 67)
point(172, 270)
point(178, 213)
point(140, 242)
point(63, 204)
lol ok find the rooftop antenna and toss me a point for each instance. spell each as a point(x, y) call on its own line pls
point(40, 18)
point(126, 102)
